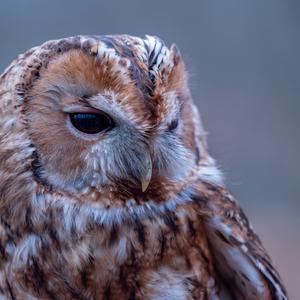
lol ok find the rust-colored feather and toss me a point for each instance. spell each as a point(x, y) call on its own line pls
point(239, 255)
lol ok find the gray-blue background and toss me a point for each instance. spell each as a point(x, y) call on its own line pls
point(244, 62)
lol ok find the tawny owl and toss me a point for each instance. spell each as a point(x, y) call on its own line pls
point(107, 190)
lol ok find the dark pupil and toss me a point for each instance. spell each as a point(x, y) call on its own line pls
point(90, 123)
point(173, 125)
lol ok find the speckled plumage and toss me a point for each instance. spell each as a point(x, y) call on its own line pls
point(74, 221)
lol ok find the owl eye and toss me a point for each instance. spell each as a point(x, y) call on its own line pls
point(91, 123)
point(173, 125)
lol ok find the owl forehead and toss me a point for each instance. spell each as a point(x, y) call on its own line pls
point(138, 58)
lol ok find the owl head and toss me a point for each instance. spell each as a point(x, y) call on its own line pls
point(108, 113)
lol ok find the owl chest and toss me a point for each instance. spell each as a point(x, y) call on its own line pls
point(163, 259)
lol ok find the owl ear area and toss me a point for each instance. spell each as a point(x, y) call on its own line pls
point(178, 75)
point(175, 52)
point(171, 74)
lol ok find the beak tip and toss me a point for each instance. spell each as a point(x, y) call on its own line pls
point(146, 174)
point(145, 185)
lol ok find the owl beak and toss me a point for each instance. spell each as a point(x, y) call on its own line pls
point(147, 172)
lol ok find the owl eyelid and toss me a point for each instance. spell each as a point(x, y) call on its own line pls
point(82, 109)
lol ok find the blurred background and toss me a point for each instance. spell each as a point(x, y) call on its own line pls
point(244, 63)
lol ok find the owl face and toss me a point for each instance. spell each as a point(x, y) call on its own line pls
point(94, 126)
